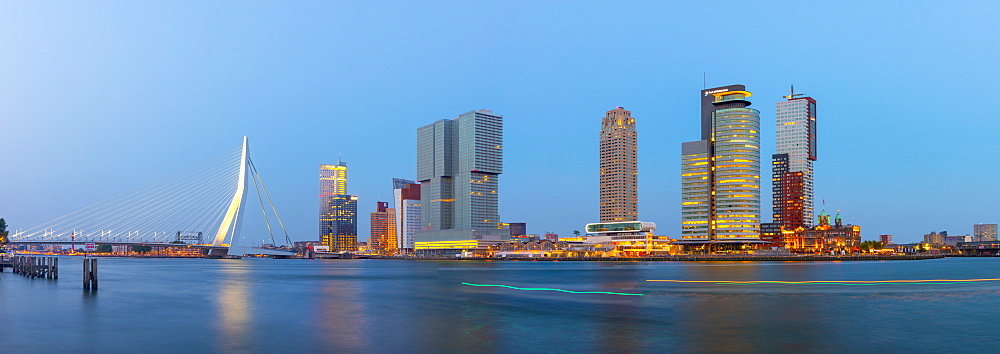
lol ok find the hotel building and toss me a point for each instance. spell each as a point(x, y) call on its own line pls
point(459, 162)
point(619, 198)
point(720, 174)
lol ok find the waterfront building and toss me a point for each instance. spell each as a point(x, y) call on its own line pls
point(518, 229)
point(771, 232)
point(935, 238)
point(628, 239)
point(333, 179)
point(955, 240)
point(339, 222)
point(619, 196)
point(406, 199)
point(984, 232)
point(459, 162)
point(552, 237)
point(792, 165)
point(885, 239)
point(838, 238)
point(720, 174)
point(338, 211)
point(383, 229)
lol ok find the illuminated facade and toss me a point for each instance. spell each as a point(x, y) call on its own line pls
point(406, 196)
point(459, 162)
point(339, 222)
point(984, 232)
point(333, 179)
point(619, 198)
point(836, 238)
point(792, 165)
point(383, 229)
point(338, 211)
point(627, 239)
point(720, 174)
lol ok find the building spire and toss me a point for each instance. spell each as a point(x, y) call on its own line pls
point(792, 95)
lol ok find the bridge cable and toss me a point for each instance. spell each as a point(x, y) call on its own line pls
point(261, 200)
point(288, 240)
point(154, 203)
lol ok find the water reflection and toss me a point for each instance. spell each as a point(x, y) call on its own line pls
point(342, 320)
point(620, 319)
point(751, 322)
point(235, 312)
point(458, 318)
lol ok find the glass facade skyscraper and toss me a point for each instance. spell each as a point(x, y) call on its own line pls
point(338, 211)
point(339, 223)
point(720, 174)
point(792, 165)
point(459, 162)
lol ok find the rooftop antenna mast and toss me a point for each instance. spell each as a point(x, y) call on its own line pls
point(793, 94)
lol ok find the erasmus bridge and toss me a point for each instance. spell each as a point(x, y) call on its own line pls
point(202, 206)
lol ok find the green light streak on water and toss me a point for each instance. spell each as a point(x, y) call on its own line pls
point(550, 289)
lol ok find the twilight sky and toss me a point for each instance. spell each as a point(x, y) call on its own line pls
point(100, 97)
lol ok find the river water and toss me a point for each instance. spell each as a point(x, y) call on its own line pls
point(266, 305)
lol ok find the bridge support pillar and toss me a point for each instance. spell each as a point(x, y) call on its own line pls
point(217, 253)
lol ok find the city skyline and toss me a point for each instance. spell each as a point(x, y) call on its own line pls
point(112, 97)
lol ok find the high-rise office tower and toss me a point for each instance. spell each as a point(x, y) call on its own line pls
point(406, 196)
point(339, 223)
point(338, 219)
point(984, 232)
point(792, 165)
point(459, 162)
point(619, 197)
point(333, 179)
point(720, 174)
point(383, 229)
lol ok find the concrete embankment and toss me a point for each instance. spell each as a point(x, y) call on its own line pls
point(687, 258)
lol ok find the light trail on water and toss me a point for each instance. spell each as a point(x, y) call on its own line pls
point(830, 282)
point(550, 289)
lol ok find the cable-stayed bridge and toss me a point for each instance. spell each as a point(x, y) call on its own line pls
point(201, 205)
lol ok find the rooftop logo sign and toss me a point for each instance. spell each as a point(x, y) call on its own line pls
point(715, 91)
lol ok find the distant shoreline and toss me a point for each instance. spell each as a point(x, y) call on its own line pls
point(690, 258)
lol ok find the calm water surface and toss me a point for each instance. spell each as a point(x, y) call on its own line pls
point(264, 305)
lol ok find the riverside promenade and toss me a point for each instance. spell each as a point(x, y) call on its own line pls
point(684, 258)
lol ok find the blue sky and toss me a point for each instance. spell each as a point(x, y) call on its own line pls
point(98, 97)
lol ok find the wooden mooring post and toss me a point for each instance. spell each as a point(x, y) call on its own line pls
point(35, 267)
point(90, 273)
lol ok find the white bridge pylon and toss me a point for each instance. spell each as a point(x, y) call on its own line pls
point(206, 199)
point(231, 223)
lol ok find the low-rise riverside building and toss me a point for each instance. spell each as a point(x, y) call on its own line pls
point(614, 239)
point(838, 238)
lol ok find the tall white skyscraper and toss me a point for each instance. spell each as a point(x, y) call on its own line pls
point(406, 199)
point(792, 165)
